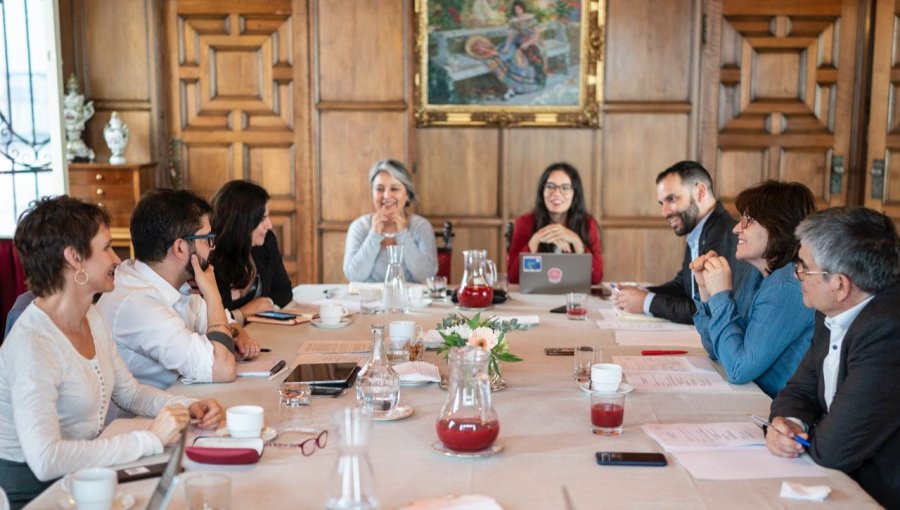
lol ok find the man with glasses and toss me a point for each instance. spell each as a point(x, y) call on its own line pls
point(844, 397)
point(164, 331)
point(685, 194)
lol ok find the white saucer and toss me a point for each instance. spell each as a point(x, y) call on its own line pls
point(317, 323)
point(399, 413)
point(624, 388)
point(122, 501)
point(421, 305)
point(494, 449)
point(267, 434)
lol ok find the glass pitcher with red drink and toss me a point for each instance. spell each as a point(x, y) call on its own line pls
point(477, 289)
point(468, 422)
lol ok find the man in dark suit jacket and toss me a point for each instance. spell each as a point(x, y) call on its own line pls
point(845, 395)
point(685, 193)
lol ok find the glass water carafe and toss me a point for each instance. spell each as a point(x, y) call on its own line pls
point(476, 290)
point(378, 385)
point(352, 485)
point(396, 298)
point(468, 422)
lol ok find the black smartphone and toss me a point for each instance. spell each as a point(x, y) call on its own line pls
point(326, 390)
point(559, 351)
point(631, 459)
point(140, 472)
point(558, 309)
point(278, 316)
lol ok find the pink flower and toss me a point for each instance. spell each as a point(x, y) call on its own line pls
point(483, 337)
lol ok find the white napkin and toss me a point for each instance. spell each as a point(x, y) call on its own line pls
point(527, 320)
point(467, 502)
point(417, 371)
point(809, 492)
point(432, 338)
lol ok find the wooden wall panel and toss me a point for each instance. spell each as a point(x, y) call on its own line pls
point(207, 167)
point(648, 49)
point(738, 170)
point(333, 256)
point(458, 172)
point(641, 254)
point(361, 50)
point(535, 150)
point(808, 167)
point(116, 70)
point(350, 143)
point(272, 167)
point(638, 147)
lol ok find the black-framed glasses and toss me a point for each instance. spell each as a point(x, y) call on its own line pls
point(309, 446)
point(550, 188)
point(746, 221)
point(210, 239)
point(800, 270)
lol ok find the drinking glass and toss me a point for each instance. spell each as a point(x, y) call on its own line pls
point(437, 286)
point(352, 485)
point(607, 413)
point(294, 406)
point(370, 300)
point(584, 358)
point(575, 309)
point(206, 491)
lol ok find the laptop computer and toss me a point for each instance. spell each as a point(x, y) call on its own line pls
point(554, 273)
point(169, 479)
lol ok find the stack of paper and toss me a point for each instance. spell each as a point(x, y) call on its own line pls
point(417, 371)
point(726, 451)
point(691, 373)
point(649, 332)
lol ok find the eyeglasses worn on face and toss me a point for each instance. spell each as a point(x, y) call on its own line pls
point(210, 239)
point(746, 221)
point(799, 270)
point(565, 189)
point(309, 446)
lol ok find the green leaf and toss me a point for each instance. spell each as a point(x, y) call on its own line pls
point(507, 357)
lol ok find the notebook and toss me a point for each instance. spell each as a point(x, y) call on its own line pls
point(554, 273)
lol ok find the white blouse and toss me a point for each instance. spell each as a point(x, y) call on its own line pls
point(53, 401)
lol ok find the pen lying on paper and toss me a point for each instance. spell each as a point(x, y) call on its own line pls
point(661, 353)
point(761, 421)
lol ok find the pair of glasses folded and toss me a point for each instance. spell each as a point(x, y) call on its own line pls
point(307, 447)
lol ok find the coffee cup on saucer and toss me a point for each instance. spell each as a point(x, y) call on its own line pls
point(331, 313)
point(244, 421)
point(606, 377)
point(92, 488)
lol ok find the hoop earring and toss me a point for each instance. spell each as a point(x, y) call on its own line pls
point(78, 274)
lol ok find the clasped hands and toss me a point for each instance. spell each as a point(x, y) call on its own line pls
point(173, 418)
point(712, 274)
point(556, 234)
point(389, 219)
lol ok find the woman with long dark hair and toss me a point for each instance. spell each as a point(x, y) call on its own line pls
point(559, 222)
point(249, 270)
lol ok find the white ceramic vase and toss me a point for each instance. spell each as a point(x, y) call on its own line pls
point(116, 135)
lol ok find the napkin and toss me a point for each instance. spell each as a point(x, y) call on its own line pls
point(467, 502)
point(417, 371)
point(807, 492)
point(432, 338)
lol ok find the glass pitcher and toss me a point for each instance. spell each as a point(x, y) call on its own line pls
point(476, 290)
point(468, 422)
point(378, 385)
point(396, 298)
point(351, 486)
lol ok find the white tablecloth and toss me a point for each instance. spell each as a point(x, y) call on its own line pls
point(545, 428)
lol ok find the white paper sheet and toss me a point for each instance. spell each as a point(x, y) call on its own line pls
point(685, 364)
point(674, 437)
point(334, 346)
point(257, 368)
point(611, 320)
point(745, 464)
point(659, 338)
point(649, 381)
point(324, 357)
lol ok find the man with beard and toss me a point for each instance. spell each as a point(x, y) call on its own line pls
point(162, 330)
point(685, 192)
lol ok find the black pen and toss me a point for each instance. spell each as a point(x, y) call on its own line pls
point(277, 368)
point(265, 350)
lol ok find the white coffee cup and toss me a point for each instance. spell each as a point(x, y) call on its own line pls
point(606, 377)
point(92, 488)
point(404, 329)
point(244, 421)
point(331, 313)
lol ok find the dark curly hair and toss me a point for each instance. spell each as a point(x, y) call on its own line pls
point(45, 229)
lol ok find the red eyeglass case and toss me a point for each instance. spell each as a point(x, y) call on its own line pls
point(223, 450)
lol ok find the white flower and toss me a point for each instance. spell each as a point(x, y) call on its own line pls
point(483, 337)
point(461, 330)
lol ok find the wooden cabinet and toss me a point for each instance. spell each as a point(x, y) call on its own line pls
point(116, 188)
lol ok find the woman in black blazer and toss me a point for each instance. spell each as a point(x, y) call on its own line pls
point(248, 265)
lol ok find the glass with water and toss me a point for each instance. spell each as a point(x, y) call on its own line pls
point(378, 385)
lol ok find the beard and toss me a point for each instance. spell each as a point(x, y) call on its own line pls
point(689, 218)
point(204, 264)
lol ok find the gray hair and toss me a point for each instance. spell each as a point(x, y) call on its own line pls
point(396, 170)
point(854, 241)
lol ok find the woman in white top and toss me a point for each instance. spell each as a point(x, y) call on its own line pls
point(365, 256)
point(59, 367)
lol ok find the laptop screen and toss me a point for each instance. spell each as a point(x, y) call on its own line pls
point(163, 492)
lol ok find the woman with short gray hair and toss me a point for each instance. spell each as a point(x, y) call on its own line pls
point(365, 256)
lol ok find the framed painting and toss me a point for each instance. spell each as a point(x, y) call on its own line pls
point(509, 62)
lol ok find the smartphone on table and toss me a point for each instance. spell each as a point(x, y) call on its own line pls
point(278, 316)
point(631, 459)
point(559, 351)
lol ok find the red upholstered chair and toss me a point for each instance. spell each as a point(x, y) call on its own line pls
point(445, 252)
point(12, 278)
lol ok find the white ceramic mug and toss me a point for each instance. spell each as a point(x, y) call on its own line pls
point(405, 329)
point(244, 421)
point(331, 313)
point(606, 377)
point(92, 488)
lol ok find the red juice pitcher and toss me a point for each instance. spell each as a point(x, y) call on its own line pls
point(468, 422)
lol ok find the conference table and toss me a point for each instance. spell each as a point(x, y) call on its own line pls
point(544, 427)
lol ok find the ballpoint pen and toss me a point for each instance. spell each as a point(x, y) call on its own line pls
point(651, 352)
point(277, 368)
point(761, 421)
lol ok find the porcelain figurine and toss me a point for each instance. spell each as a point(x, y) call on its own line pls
point(76, 113)
point(116, 135)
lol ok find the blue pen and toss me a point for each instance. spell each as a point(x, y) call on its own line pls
point(761, 421)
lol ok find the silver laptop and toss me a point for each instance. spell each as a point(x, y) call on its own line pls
point(554, 273)
point(169, 479)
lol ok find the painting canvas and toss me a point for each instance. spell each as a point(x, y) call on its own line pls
point(509, 62)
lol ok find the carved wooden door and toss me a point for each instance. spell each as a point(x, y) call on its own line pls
point(777, 90)
point(232, 95)
point(882, 190)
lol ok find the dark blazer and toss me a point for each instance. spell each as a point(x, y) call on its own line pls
point(272, 276)
point(673, 299)
point(860, 434)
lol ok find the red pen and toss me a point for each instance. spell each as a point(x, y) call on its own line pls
point(661, 353)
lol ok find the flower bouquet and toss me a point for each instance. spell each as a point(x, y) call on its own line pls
point(457, 330)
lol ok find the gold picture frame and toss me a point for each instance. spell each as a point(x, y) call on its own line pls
point(508, 63)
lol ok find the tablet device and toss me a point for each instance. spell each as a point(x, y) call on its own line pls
point(338, 374)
